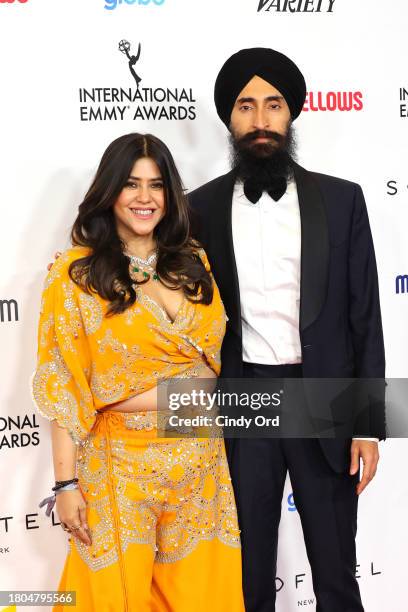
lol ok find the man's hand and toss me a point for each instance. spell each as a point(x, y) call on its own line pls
point(57, 254)
point(368, 451)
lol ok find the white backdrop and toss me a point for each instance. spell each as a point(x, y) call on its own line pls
point(50, 51)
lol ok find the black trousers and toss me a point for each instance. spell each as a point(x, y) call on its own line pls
point(326, 502)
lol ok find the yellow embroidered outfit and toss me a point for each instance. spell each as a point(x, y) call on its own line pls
point(161, 510)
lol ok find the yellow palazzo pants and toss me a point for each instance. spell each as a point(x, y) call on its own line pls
point(162, 514)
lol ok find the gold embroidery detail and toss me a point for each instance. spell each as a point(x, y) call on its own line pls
point(92, 314)
point(183, 318)
point(110, 385)
point(57, 394)
point(58, 269)
point(132, 313)
point(45, 326)
point(170, 494)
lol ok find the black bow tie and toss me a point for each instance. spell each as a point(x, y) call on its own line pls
point(254, 190)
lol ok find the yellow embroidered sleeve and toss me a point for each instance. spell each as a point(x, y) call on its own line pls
point(60, 384)
point(203, 256)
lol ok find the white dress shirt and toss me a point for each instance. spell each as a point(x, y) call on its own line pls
point(267, 247)
point(267, 239)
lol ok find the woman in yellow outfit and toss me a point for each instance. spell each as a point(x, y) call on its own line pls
point(153, 519)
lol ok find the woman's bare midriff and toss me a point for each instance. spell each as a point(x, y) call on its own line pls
point(147, 400)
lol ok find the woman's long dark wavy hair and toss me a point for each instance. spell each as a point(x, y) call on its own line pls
point(106, 269)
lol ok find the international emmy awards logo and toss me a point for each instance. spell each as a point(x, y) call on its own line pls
point(124, 47)
point(127, 102)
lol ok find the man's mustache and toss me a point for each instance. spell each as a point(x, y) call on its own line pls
point(251, 136)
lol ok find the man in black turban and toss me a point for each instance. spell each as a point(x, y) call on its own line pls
point(292, 254)
point(271, 66)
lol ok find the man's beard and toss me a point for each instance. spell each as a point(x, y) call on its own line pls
point(263, 162)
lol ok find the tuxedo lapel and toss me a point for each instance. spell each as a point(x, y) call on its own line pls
point(225, 268)
point(314, 249)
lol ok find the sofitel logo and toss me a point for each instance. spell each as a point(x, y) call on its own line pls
point(110, 5)
point(296, 6)
point(30, 521)
point(146, 103)
point(333, 101)
point(394, 187)
point(298, 581)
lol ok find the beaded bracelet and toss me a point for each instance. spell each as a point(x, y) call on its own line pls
point(58, 482)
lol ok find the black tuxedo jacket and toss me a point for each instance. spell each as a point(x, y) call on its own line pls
point(340, 318)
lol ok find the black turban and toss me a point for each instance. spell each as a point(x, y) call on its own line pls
point(268, 64)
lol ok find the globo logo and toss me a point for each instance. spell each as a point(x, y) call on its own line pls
point(291, 503)
point(110, 5)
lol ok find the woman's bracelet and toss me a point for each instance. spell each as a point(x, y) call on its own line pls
point(62, 483)
point(68, 487)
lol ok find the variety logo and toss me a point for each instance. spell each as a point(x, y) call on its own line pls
point(137, 102)
point(403, 97)
point(401, 283)
point(110, 5)
point(334, 101)
point(8, 310)
point(296, 6)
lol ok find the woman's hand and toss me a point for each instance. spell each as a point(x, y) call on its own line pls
point(71, 508)
point(71, 505)
point(57, 254)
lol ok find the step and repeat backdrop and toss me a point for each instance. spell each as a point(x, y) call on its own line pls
point(68, 87)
